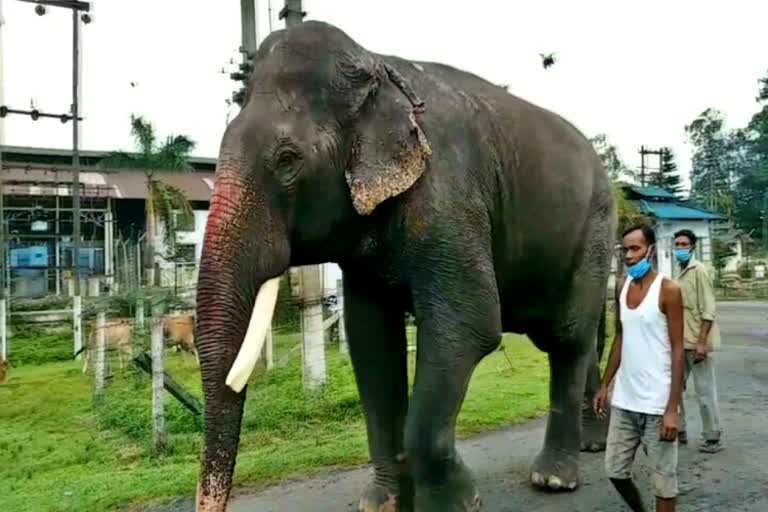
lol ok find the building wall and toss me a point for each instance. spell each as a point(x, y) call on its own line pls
point(331, 276)
point(195, 237)
point(732, 263)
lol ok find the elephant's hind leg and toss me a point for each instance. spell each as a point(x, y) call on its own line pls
point(377, 345)
point(556, 466)
point(572, 348)
point(594, 430)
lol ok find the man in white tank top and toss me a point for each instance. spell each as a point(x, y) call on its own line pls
point(647, 361)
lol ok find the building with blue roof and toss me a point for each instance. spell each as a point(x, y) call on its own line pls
point(669, 215)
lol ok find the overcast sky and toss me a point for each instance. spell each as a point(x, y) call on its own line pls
point(637, 73)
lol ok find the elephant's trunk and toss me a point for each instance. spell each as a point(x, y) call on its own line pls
point(244, 253)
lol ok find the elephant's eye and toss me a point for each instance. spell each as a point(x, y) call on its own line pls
point(287, 166)
point(286, 160)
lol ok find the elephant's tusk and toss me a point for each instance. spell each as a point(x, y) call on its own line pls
point(253, 343)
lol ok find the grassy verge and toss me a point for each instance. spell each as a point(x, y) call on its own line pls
point(59, 454)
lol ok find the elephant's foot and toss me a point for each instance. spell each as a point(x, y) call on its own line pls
point(456, 493)
point(385, 494)
point(448, 501)
point(378, 499)
point(594, 430)
point(555, 470)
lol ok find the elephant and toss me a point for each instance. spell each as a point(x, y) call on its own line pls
point(438, 194)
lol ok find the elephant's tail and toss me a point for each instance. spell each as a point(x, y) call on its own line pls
point(601, 331)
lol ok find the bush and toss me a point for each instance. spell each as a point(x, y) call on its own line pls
point(37, 345)
point(50, 302)
point(745, 271)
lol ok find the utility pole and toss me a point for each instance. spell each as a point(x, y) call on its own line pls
point(249, 39)
point(312, 289)
point(80, 12)
point(249, 44)
point(78, 304)
point(646, 151)
point(3, 297)
point(292, 13)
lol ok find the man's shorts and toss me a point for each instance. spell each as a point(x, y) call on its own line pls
point(627, 430)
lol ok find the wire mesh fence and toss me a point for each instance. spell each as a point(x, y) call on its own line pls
point(119, 362)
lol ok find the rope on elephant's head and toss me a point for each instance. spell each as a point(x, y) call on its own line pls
point(419, 107)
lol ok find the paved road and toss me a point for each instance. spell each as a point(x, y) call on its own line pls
point(734, 480)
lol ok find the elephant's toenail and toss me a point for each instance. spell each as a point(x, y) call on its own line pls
point(537, 478)
point(555, 482)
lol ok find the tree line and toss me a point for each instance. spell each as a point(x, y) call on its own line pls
point(729, 168)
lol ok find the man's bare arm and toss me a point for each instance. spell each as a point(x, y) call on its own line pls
point(614, 359)
point(672, 304)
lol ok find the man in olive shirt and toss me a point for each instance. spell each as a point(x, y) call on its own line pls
point(701, 337)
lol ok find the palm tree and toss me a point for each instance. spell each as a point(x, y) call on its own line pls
point(164, 201)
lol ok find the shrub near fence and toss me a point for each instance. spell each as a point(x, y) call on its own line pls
point(734, 293)
point(733, 286)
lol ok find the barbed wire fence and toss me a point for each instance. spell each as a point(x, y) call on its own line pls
point(130, 324)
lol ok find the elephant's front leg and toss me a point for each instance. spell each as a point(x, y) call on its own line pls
point(377, 345)
point(458, 324)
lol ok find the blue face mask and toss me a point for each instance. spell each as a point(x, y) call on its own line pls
point(641, 268)
point(683, 255)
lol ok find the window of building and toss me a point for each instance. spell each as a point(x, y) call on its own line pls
point(183, 224)
point(185, 253)
point(703, 249)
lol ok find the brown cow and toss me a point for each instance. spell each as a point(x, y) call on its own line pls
point(179, 333)
point(118, 335)
point(4, 370)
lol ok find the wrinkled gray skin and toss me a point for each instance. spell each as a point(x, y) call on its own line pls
point(482, 215)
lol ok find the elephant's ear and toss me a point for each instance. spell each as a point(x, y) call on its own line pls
point(390, 151)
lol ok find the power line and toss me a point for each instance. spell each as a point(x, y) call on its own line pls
point(80, 13)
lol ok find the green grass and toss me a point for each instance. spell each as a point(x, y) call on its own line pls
point(33, 345)
point(60, 454)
